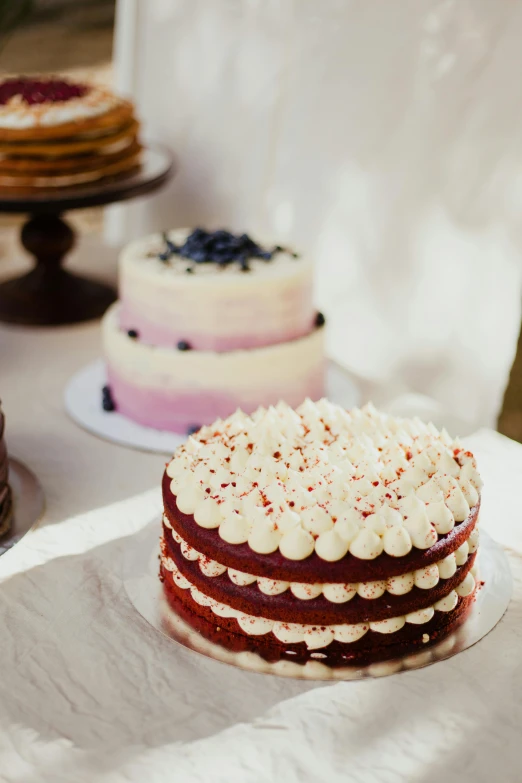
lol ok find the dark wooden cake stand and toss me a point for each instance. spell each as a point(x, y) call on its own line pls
point(49, 294)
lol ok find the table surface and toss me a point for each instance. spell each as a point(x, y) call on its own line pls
point(89, 692)
point(35, 365)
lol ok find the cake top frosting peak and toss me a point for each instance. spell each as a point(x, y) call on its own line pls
point(326, 479)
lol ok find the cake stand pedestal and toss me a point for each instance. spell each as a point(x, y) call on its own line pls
point(49, 294)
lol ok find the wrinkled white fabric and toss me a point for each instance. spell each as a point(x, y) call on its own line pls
point(90, 693)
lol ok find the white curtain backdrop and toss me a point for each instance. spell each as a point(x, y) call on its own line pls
point(384, 138)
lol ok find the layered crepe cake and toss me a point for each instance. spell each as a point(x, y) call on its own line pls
point(321, 533)
point(55, 132)
point(5, 491)
point(208, 322)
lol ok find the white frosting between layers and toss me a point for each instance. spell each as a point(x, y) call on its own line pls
point(326, 479)
point(317, 636)
point(425, 578)
point(18, 115)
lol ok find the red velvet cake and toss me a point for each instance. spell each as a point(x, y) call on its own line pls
point(321, 533)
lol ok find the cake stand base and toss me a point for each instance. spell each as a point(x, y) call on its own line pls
point(146, 594)
point(49, 295)
point(28, 504)
point(52, 297)
point(83, 397)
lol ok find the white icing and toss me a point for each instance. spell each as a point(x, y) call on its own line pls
point(297, 544)
point(239, 578)
point(420, 616)
point(181, 581)
point(400, 585)
point(470, 473)
point(331, 546)
point(457, 504)
point(388, 626)
point(289, 633)
point(448, 566)
point(166, 522)
point(447, 603)
point(426, 578)
point(189, 552)
point(371, 590)
point(305, 591)
point(461, 554)
point(190, 497)
point(210, 567)
point(440, 516)
point(367, 545)
point(473, 540)
point(207, 513)
point(466, 587)
point(264, 536)
point(234, 529)
point(254, 626)
point(272, 586)
point(350, 633)
point(397, 541)
point(339, 593)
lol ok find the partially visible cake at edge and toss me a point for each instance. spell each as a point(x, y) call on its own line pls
point(56, 132)
point(5, 491)
point(208, 322)
point(301, 534)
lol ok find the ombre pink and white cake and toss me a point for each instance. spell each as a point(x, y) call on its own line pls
point(208, 323)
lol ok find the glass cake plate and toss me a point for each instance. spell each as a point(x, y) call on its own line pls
point(83, 404)
point(28, 504)
point(140, 575)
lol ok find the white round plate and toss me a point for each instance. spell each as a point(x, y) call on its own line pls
point(28, 504)
point(140, 575)
point(83, 404)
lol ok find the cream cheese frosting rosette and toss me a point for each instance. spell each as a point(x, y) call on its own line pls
point(322, 517)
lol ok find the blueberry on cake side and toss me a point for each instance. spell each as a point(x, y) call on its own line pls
point(320, 532)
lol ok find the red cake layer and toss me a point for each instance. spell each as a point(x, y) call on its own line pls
point(313, 568)
point(285, 607)
point(371, 647)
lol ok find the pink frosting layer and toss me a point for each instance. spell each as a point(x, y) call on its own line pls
point(177, 410)
point(152, 333)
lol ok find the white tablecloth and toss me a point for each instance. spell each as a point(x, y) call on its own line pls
point(90, 692)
